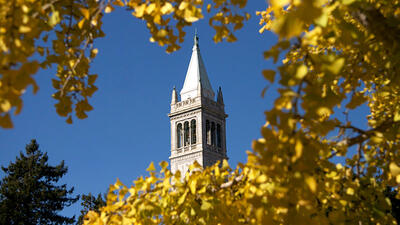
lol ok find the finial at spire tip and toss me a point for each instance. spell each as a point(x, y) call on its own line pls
point(196, 37)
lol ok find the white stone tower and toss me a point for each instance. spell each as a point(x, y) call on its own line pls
point(198, 131)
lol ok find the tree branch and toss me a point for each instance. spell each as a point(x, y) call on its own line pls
point(230, 183)
point(365, 135)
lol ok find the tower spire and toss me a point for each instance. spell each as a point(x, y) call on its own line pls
point(196, 39)
point(196, 74)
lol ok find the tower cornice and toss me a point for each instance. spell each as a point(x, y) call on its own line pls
point(203, 103)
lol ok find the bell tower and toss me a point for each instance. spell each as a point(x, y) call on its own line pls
point(198, 129)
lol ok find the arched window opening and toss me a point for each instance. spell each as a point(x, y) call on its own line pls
point(219, 138)
point(208, 133)
point(213, 134)
point(179, 135)
point(186, 133)
point(193, 131)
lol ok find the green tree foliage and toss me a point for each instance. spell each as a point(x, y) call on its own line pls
point(90, 203)
point(28, 192)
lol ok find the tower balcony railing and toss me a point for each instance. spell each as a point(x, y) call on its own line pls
point(215, 148)
point(184, 149)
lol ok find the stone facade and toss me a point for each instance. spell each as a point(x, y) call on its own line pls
point(198, 122)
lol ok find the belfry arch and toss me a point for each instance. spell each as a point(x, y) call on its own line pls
point(179, 135)
point(193, 131)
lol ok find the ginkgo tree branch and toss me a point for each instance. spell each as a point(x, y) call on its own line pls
point(44, 8)
point(376, 23)
point(72, 72)
point(82, 52)
point(297, 97)
point(359, 156)
point(365, 135)
point(356, 129)
point(232, 182)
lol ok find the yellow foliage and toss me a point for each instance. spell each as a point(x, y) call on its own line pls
point(72, 27)
point(336, 56)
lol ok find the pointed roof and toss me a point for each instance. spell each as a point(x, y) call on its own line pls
point(174, 98)
point(220, 98)
point(196, 74)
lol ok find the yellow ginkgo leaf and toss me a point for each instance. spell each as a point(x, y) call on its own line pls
point(139, 10)
point(301, 71)
point(206, 205)
point(85, 12)
point(192, 185)
point(24, 29)
point(80, 23)
point(163, 164)
point(5, 106)
point(167, 8)
point(108, 8)
point(182, 198)
point(394, 169)
point(269, 75)
point(350, 191)
point(208, 7)
point(94, 52)
point(69, 120)
point(118, 184)
point(118, 3)
point(311, 183)
point(151, 167)
point(183, 5)
point(54, 18)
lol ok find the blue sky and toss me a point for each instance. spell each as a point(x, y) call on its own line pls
point(129, 126)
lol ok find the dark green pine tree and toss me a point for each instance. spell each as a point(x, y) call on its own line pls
point(90, 203)
point(29, 193)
